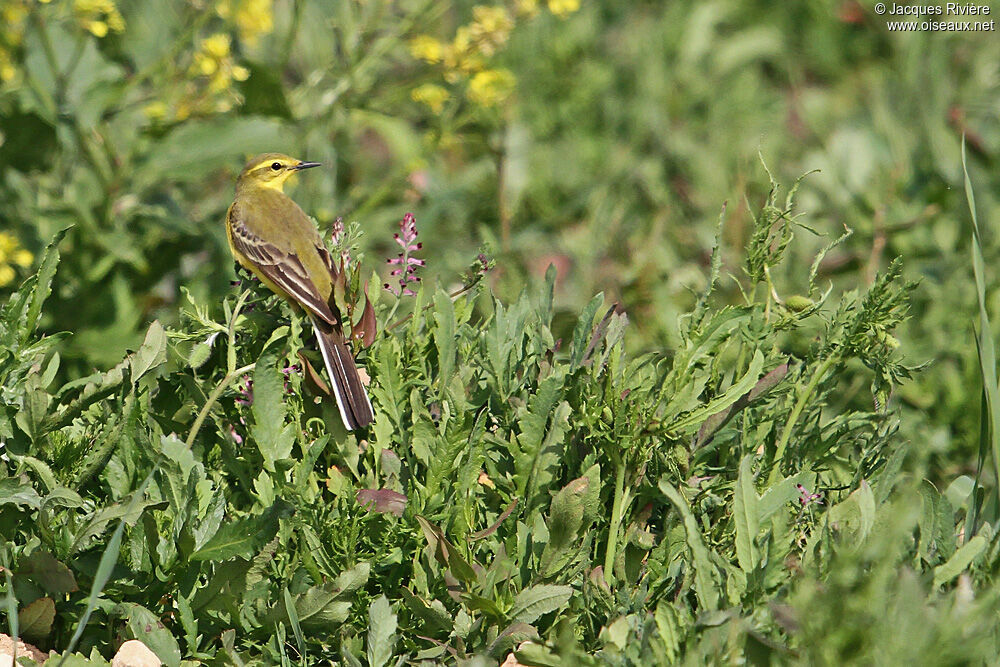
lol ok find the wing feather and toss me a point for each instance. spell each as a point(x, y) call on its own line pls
point(282, 268)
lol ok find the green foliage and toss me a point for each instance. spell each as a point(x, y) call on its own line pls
point(230, 520)
point(724, 455)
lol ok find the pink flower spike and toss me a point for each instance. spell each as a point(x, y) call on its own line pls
point(407, 265)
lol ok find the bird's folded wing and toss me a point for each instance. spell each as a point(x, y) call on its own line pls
point(282, 268)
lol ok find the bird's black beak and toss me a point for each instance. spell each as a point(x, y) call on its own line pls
point(306, 165)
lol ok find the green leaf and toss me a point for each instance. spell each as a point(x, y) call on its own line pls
point(779, 493)
point(149, 629)
point(444, 336)
point(319, 607)
point(540, 447)
point(966, 555)
point(49, 574)
point(433, 617)
point(381, 632)
point(197, 148)
point(736, 391)
point(15, 492)
point(444, 552)
point(43, 284)
point(152, 353)
point(293, 619)
point(245, 537)
point(534, 601)
point(581, 334)
point(35, 620)
point(565, 520)
point(746, 516)
point(706, 577)
point(272, 436)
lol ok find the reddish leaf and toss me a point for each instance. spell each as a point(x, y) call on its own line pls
point(383, 501)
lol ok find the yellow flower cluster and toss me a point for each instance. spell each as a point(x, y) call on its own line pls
point(465, 59)
point(253, 18)
point(215, 60)
point(563, 8)
point(13, 14)
point(11, 255)
point(98, 16)
point(210, 89)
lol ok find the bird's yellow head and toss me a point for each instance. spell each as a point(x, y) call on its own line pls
point(271, 170)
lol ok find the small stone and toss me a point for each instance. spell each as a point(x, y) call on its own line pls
point(7, 651)
point(134, 653)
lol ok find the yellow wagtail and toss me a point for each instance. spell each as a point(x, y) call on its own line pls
point(273, 238)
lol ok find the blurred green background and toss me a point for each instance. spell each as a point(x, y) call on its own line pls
point(601, 137)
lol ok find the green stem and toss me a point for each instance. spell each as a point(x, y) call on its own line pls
point(616, 519)
point(231, 352)
point(796, 412)
point(213, 398)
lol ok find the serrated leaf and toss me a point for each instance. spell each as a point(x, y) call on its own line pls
point(381, 632)
point(581, 333)
point(535, 601)
point(706, 577)
point(272, 436)
point(152, 353)
point(353, 579)
point(43, 284)
point(15, 492)
point(245, 537)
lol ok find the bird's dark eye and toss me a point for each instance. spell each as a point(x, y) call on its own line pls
point(276, 166)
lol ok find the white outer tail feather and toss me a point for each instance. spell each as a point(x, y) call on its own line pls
point(345, 414)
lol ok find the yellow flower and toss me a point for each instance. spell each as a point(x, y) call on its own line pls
point(527, 8)
point(563, 8)
point(432, 95)
point(490, 28)
point(99, 16)
point(217, 46)
point(155, 110)
point(426, 48)
point(491, 87)
point(7, 69)
point(23, 258)
point(253, 18)
point(11, 255)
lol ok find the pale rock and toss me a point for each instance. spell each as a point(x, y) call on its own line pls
point(134, 653)
point(7, 651)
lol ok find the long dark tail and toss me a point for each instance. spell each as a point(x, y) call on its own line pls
point(352, 399)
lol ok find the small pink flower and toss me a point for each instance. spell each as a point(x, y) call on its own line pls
point(246, 392)
point(406, 266)
point(806, 498)
point(288, 370)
